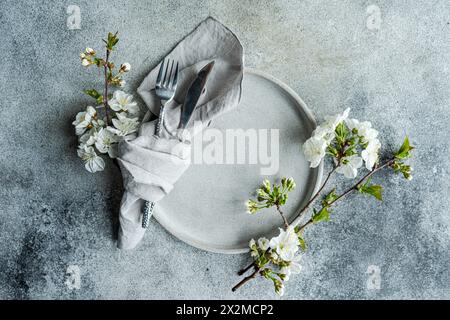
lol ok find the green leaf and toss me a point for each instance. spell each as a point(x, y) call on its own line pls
point(332, 151)
point(276, 191)
point(92, 93)
point(112, 41)
point(282, 199)
point(350, 151)
point(373, 190)
point(267, 273)
point(262, 260)
point(341, 131)
point(329, 198)
point(99, 62)
point(405, 169)
point(404, 150)
point(322, 215)
point(302, 242)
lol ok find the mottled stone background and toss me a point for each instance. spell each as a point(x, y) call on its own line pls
point(389, 63)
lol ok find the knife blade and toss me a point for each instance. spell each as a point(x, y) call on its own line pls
point(193, 95)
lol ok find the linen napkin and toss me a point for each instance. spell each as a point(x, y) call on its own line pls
point(151, 165)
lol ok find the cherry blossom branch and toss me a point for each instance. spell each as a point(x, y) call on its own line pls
point(353, 188)
point(246, 279)
point(314, 197)
point(286, 224)
point(105, 95)
point(349, 142)
point(300, 213)
point(310, 221)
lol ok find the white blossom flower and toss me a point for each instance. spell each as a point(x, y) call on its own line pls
point(123, 126)
point(83, 120)
point(88, 138)
point(82, 55)
point(263, 243)
point(85, 62)
point(106, 142)
point(355, 124)
point(286, 271)
point(92, 162)
point(125, 67)
point(370, 154)
point(314, 150)
point(333, 121)
point(364, 129)
point(324, 132)
point(123, 102)
point(285, 244)
point(273, 255)
point(121, 82)
point(89, 50)
point(293, 268)
point(369, 135)
point(349, 166)
point(98, 123)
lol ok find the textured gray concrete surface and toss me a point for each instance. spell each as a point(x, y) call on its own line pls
point(54, 214)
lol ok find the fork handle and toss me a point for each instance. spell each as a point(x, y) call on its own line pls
point(160, 122)
point(147, 214)
point(149, 205)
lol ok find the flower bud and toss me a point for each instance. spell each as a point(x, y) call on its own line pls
point(291, 184)
point(266, 185)
point(85, 62)
point(125, 67)
point(90, 51)
point(82, 55)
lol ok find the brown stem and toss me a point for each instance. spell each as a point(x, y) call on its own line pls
point(305, 225)
point(353, 188)
point(310, 221)
point(367, 176)
point(246, 279)
point(300, 212)
point(105, 94)
point(286, 224)
point(242, 271)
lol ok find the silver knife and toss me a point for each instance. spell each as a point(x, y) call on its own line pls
point(193, 95)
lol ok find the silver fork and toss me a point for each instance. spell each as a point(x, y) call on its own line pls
point(166, 85)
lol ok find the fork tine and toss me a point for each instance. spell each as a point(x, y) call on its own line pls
point(160, 72)
point(168, 79)
point(164, 81)
point(175, 77)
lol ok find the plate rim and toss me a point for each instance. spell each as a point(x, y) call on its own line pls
point(310, 117)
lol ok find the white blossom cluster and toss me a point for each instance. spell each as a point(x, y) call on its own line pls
point(96, 137)
point(325, 136)
point(281, 251)
point(350, 143)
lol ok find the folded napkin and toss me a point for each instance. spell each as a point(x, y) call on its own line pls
point(151, 164)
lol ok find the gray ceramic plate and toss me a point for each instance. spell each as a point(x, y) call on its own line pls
point(206, 209)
